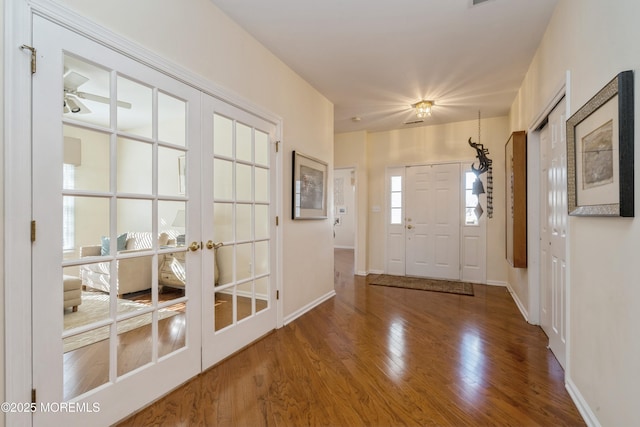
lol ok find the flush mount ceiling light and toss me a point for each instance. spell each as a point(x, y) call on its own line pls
point(423, 108)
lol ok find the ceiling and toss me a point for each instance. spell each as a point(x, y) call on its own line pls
point(374, 58)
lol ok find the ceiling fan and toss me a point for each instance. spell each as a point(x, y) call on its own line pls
point(72, 96)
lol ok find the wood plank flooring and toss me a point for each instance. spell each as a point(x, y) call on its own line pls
point(381, 356)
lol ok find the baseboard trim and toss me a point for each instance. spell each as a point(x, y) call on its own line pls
point(519, 304)
point(313, 304)
point(361, 273)
point(375, 272)
point(343, 247)
point(497, 283)
point(581, 404)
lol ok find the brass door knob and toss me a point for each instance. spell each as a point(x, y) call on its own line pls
point(409, 226)
point(194, 246)
point(211, 245)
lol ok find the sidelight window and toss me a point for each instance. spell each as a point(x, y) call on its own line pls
point(396, 200)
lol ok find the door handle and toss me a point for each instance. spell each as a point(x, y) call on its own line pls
point(409, 226)
point(194, 246)
point(211, 245)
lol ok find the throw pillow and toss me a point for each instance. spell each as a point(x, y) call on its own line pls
point(105, 247)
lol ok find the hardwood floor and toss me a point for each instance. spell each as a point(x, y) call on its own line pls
point(383, 356)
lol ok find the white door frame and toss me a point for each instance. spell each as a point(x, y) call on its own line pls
point(17, 172)
point(355, 212)
point(464, 166)
point(534, 211)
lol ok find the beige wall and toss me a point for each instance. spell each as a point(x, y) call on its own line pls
point(420, 145)
point(350, 150)
point(595, 40)
point(198, 36)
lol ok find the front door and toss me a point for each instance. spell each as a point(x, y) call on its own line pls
point(554, 231)
point(432, 221)
point(239, 220)
point(116, 200)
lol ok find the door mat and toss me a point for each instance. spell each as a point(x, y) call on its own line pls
point(423, 284)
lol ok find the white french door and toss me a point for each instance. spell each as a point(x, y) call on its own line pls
point(553, 228)
point(239, 300)
point(116, 166)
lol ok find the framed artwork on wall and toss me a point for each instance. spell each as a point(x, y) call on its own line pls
point(600, 152)
point(309, 187)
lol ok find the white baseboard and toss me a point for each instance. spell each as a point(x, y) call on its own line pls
point(519, 304)
point(343, 247)
point(361, 273)
point(375, 272)
point(581, 404)
point(313, 304)
point(497, 283)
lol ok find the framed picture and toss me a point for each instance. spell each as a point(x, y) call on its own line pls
point(600, 152)
point(309, 187)
point(182, 164)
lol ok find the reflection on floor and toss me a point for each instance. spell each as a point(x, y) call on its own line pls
point(382, 356)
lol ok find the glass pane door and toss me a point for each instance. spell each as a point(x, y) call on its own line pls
point(239, 276)
point(116, 293)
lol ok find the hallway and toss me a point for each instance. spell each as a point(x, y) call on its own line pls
point(382, 357)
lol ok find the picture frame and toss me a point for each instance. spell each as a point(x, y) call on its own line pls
point(600, 152)
point(309, 190)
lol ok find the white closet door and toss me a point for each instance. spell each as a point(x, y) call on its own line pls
point(553, 227)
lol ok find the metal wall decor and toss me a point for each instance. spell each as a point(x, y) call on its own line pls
point(484, 165)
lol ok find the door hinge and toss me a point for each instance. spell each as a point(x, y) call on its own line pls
point(33, 57)
point(277, 146)
point(277, 221)
point(278, 295)
point(33, 231)
point(33, 395)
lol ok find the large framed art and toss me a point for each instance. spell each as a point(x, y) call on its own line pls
point(600, 152)
point(309, 187)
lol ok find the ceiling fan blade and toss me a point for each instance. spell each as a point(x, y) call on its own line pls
point(72, 80)
point(102, 99)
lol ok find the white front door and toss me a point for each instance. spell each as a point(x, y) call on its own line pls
point(239, 220)
point(115, 189)
point(432, 221)
point(554, 231)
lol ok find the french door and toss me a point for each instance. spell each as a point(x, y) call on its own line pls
point(116, 195)
point(239, 295)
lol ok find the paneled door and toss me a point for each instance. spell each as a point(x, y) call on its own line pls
point(553, 149)
point(116, 161)
point(432, 221)
point(239, 220)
